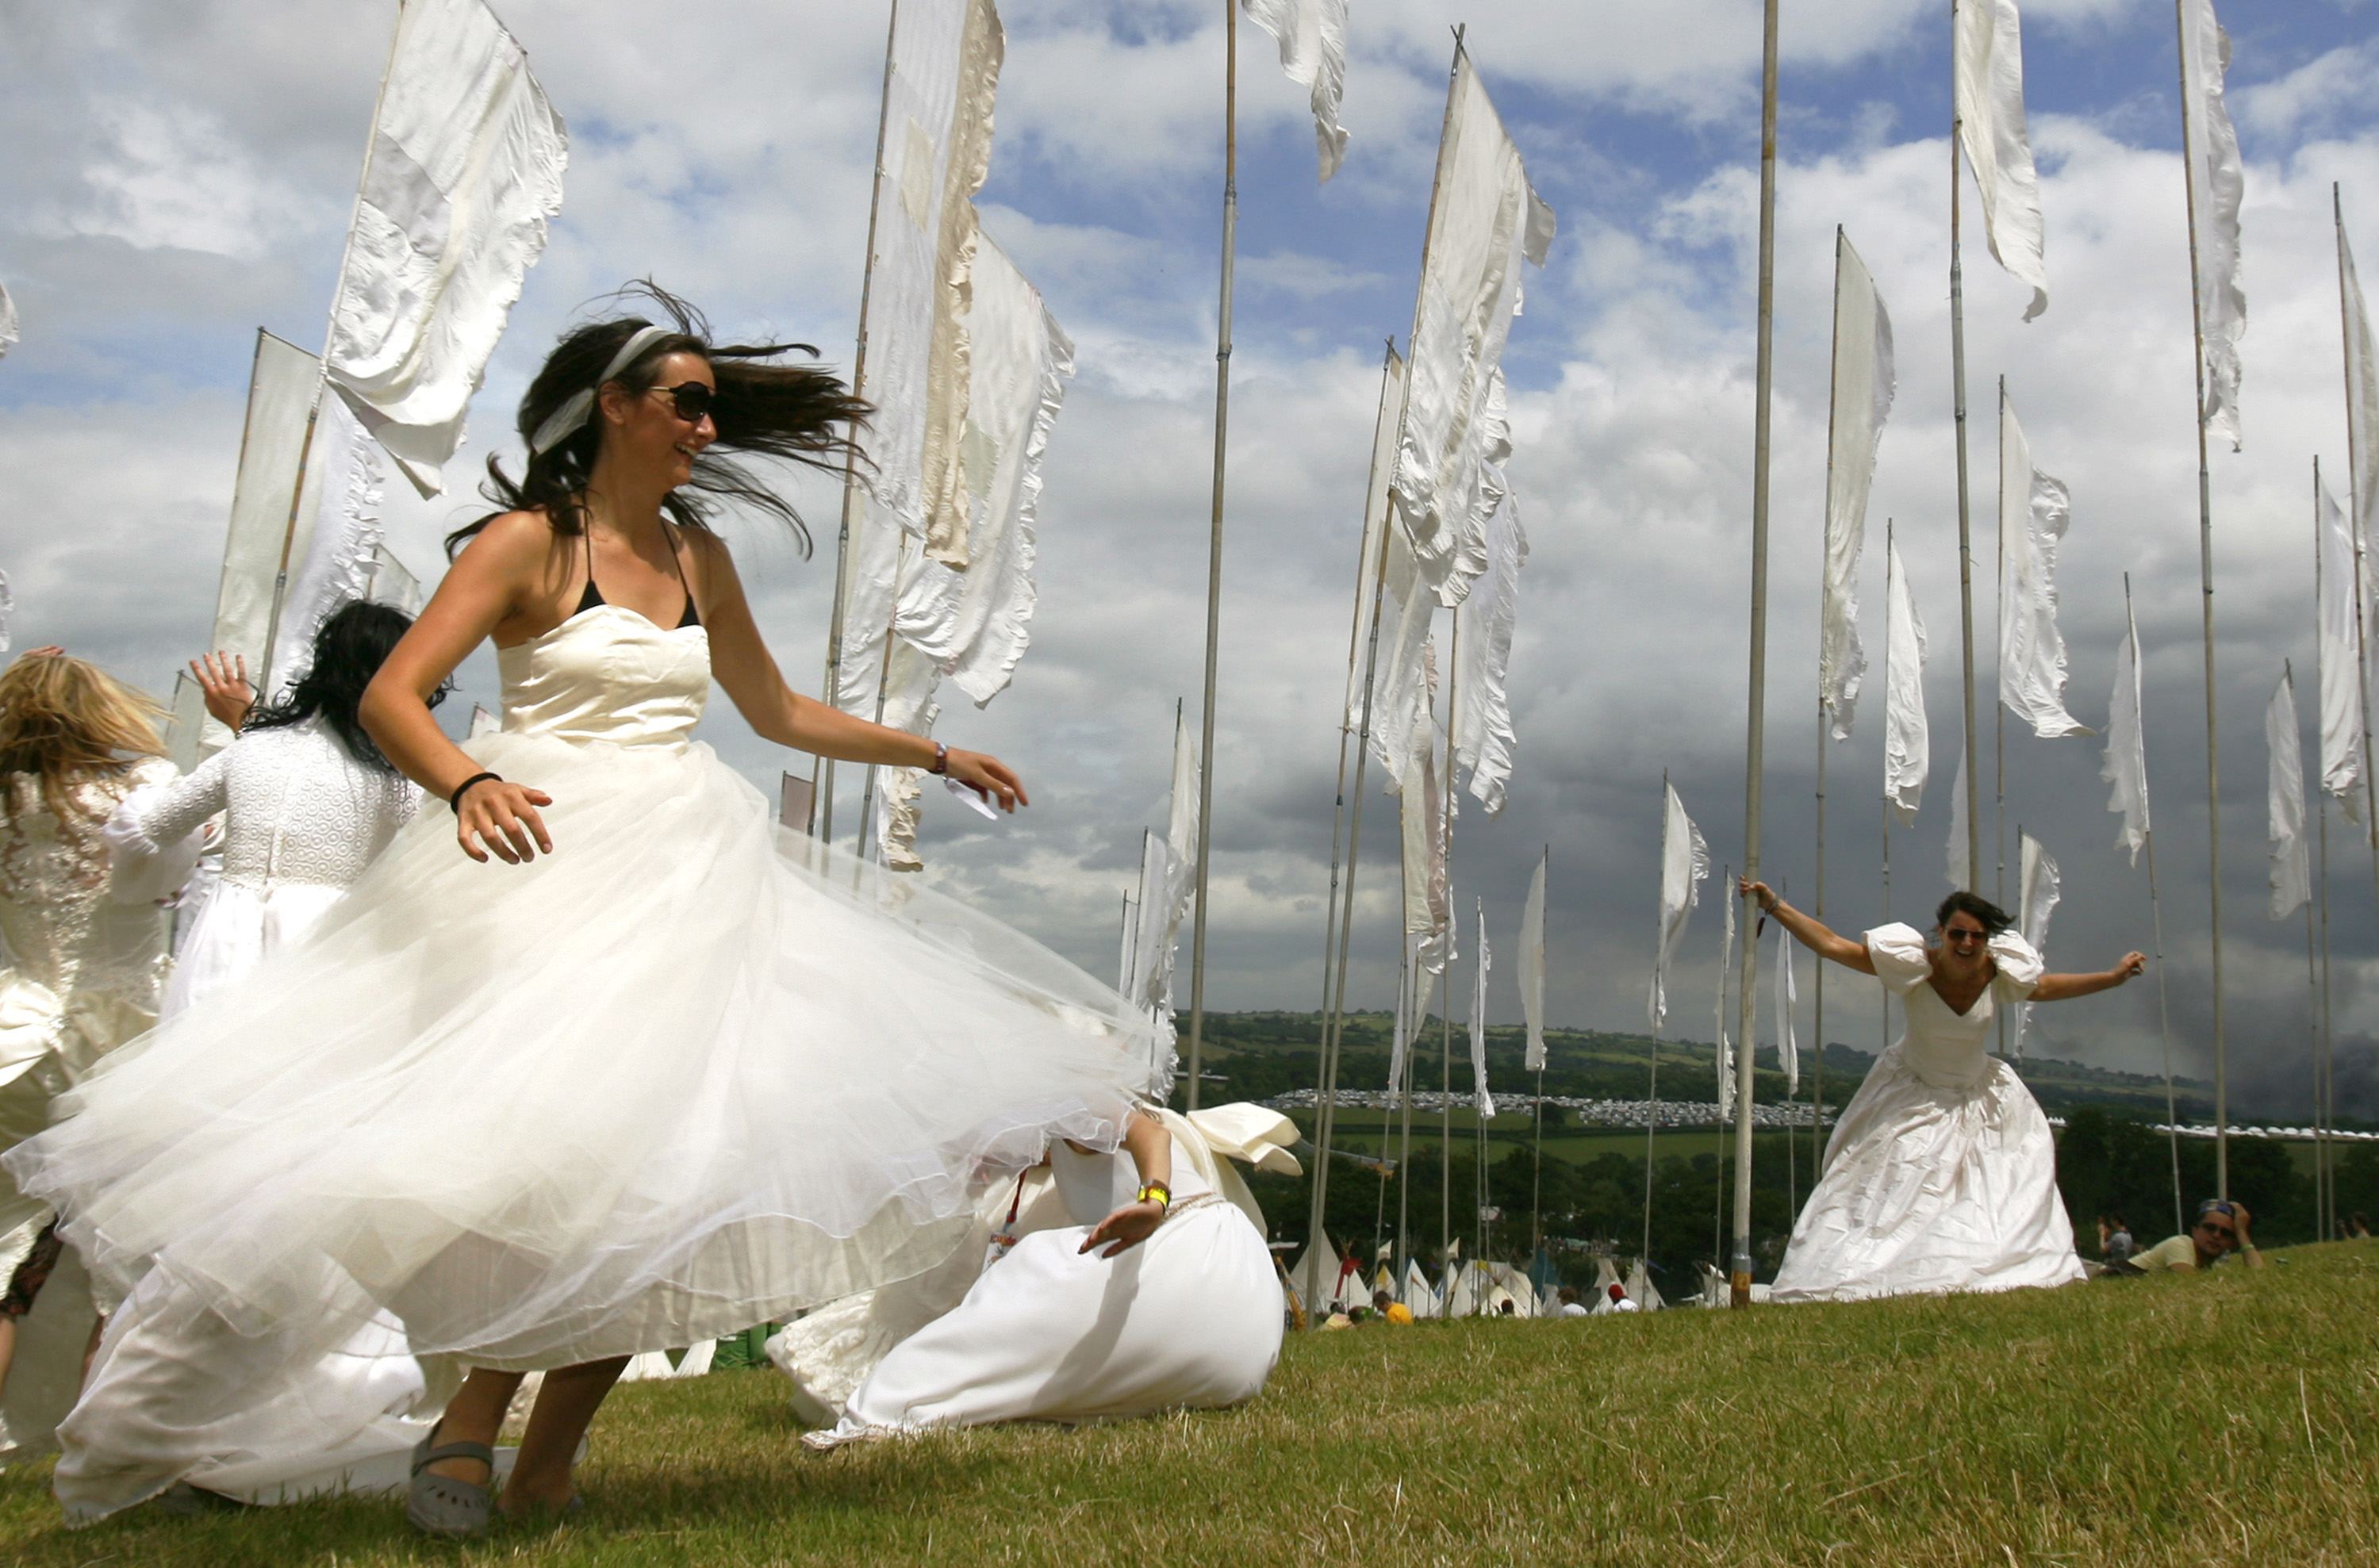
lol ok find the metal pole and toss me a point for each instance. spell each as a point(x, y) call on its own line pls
point(1652, 1084)
point(1404, 1148)
point(2325, 1089)
point(1215, 549)
point(1965, 530)
point(1816, 1093)
point(1888, 559)
point(2206, 582)
point(1537, 1194)
point(822, 770)
point(1999, 693)
point(1452, 925)
point(1739, 1273)
point(2155, 916)
point(1445, 1136)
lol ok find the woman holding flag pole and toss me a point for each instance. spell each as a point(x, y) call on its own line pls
point(1941, 1174)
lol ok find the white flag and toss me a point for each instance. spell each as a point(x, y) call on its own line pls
point(1484, 741)
point(1486, 1101)
point(2037, 876)
point(2033, 515)
point(1989, 92)
point(1485, 221)
point(1685, 862)
point(1428, 899)
point(971, 622)
point(2292, 872)
point(1788, 1044)
point(1907, 746)
point(465, 170)
point(7, 321)
point(2125, 765)
point(1863, 384)
point(1961, 874)
point(1375, 523)
point(1407, 976)
point(1725, 1047)
point(941, 82)
point(1404, 679)
point(1167, 876)
point(1128, 939)
point(1532, 967)
point(2362, 399)
point(341, 504)
point(2217, 181)
point(1312, 38)
point(2337, 644)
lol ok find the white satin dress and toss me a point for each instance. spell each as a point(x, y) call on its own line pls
point(1941, 1174)
point(689, 1072)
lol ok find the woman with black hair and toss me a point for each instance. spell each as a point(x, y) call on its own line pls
point(308, 797)
point(1941, 1174)
point(662, 1071)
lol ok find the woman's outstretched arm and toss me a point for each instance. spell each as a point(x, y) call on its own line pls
point(2064, 987)
point(1812, 935)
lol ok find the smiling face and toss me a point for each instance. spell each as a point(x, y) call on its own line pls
point(2214, 1234)
point(649, 432)
point(1964, 952)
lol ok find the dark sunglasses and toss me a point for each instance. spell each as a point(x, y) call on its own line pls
point(691, 399)
point(2210, 1228)
point(1955, 933)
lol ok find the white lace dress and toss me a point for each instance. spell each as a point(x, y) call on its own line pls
point(304, 819)
point(1941, 1174)
point(82, 959)
point(686, 1073)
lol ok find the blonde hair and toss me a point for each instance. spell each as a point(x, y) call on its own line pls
point(64, 719)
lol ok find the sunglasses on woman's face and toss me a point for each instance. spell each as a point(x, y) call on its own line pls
point(1961, 934)
point(2223, 1232)
point(691, 399)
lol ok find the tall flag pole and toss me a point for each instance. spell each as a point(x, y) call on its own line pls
point(2362, 493)
point(1530, 965)
point(2209, 150)
point(1755, 760)
point(1907, 741)
point(2126, 767)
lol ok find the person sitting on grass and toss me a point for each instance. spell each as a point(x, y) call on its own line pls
point(2119, 1245)
point(1620, 1302)
point(2221, 1229)
point(1569, 1304)
point(1388, 1309)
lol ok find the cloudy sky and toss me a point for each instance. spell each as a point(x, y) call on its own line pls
point(179, 176)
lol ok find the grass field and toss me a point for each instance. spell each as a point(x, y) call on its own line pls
point(2233, 1418)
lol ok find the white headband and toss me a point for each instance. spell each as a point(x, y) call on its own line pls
point(566, 419)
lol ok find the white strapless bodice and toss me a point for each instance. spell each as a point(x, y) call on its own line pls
point(608, 674)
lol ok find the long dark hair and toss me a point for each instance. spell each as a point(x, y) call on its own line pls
point(796, 412)
point(354, 641)
point(1993, 918)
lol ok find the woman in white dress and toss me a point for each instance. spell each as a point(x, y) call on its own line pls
point(85, 957)
point(664, 1071)
point(1941, 1174)
point(1160, 1295)
point(308, 801)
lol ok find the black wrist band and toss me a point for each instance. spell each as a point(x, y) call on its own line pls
point(455, 801)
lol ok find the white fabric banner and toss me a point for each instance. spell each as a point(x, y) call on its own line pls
point(465, 170)
point(1862, 387)
point(1400, 1038)
point(1531, 967)
point(2039, 889)
point(7, 322)
point(2291, 868)
point(393, 582)
point(1485, 220)
point(1428, 899)
point(1725, 1046)
point(1484, 740)
point(1788, 1042)
point(1368, 563)
point(2337, 651)
point(1486, 961)
point(1169, 875)
point(1685, 861)
point(1907, 744)
point(2033, 515)
point(2362, 438)
point(341, 509)
point(943, 77)
point(1312, 39)
point(1989, 73)
point(1960, 873)
point(2217, 181)
point(971, 622)
point(2125, 762)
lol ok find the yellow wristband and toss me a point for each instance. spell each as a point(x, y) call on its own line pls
point(1155, 1192)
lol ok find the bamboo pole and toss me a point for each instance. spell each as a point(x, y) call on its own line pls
point(1537, 1191)
point(2313, 972)
point(1718, 1202)
point(1999, 693)
point(1739, 1269)
point(2155, 916)
point(1214, 553)
point(1965, 529)
point(1652, 1084)
point(2325, 1088)
point(2206, 581)
point(1825, 709)
point(822, 770)
point(1404, 1148)
point(1452, 926)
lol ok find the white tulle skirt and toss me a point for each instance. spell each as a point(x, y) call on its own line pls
point(236, 928)
point(1932, 1188)
point(687, 1073)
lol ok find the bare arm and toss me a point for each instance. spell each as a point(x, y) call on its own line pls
point(2064, 987)
point(1151, 1148)
point(1811, 934)
point(490, 582)
point(747, 670)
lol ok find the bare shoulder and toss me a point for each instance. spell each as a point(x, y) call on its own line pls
point(512, 537)
point(707, 547)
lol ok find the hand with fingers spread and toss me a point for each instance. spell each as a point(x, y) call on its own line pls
point(494, 816)
point(987, 776)
point(1126, 1228)
point(223, 678)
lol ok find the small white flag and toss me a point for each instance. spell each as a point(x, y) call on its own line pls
point(1685, 862)
point(1532, 966)
point(1862, 387)
point(1988, 74)
point(2337, 650)
point(1486, 1102)
point(2126, 761)
point(2037, 874)
point(1906, 742)
point(1725, 1046)
point(1961, 874)
point(2292, 872)
point(1312, 39)
point(2033, 515)
point(2217, 182)
point(1788, 1044)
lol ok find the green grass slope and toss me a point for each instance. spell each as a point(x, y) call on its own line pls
point(2233, 1418)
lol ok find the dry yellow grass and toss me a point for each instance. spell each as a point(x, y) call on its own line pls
point(2227, 1419)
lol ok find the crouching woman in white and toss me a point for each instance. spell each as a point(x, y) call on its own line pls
point(1161, 1296)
